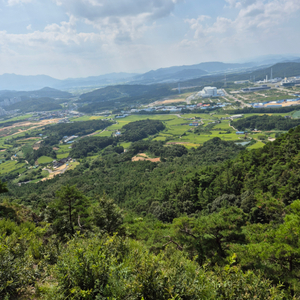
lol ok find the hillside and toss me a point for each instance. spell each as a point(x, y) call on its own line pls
point(226, 214)
point(282, 70)
point(36, 104)
point(44, 92)
point(122, 96)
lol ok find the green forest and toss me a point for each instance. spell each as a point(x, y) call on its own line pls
point(214, 222)
point(205, 210)
point(139, 130)
point(55, 133)
point(122, 96)
point(37, 104)
point(265, 122)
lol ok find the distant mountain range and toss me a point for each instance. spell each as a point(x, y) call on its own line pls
point(163, 75)
point(44, 92)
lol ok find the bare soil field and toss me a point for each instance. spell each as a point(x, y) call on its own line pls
point(168, 101)
point(30, 125)
point(143, 156)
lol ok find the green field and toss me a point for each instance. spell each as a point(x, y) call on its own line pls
point(10, 165)
point(257, 145)
point(17, 118)
point(62, 155)
point(45, 159)
point(177, 131)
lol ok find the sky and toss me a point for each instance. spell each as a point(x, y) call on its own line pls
point(80, 38)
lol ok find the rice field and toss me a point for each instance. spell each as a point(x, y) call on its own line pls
point(45, 160)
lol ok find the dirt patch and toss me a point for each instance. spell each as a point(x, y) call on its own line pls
point(31, 138)
point(167, 101)
point(37, 145)
point(28, 124)
point(57, 171)
point(178, 143)
point(143, 156)
point(55, 148)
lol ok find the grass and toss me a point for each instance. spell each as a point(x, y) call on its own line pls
point(62, 155)
point(296, 114)
point(45, 173)
point(257, 145)
point(45, 159)
point(10, 166)
point(73, 165)
point(125, 145)
point(17, 118)
point(104, 133)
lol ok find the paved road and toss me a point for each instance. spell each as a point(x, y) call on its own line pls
point(190, 98)
point(238, 100)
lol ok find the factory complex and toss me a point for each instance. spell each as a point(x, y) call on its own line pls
point(210, 91)
point(278, 103)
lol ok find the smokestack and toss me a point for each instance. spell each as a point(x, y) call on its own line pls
point(271, 73)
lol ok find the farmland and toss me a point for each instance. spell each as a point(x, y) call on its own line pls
point(190, 130)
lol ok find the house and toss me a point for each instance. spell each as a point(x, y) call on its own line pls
point(236, 116)
point(57, 164)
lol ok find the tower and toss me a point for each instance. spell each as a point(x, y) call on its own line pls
point(271, 73)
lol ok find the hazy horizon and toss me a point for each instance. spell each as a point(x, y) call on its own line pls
point(81, 38)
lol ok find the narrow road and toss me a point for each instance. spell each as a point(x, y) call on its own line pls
point(238, 100)
point(190, 98)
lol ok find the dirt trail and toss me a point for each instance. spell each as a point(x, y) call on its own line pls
point(57, 171)
point(144, 156)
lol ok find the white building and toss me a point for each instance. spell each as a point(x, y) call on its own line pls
point(210, 91)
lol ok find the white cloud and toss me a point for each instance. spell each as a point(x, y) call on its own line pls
point(258, 27)
point(29, 27)
point(14, 2)
point(254, 17)
point(119, 20)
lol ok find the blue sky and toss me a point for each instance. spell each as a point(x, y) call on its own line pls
point(78, 38)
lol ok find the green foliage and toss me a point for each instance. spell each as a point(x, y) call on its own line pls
point(19, 246)
point(139, 130)
point(68, 213)
point(157, 148)
point(275, 248)
point(106, 215)
point(114, 268)
point(90, 146)
point(265, 122)
point(56, 132)
point(33, 156)
point(234, 284)
point(36, 104)
point(122, 96)
point(263, 110)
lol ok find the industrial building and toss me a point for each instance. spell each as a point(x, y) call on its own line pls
point(256, 88)
point(210, 91)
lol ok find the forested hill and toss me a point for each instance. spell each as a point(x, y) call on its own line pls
point(138, 184)
point(265, 122)
point(184, 184)
point(216, 222)
point(36, 104)
point(138, 130)
point(56, 132)
point(123, 96)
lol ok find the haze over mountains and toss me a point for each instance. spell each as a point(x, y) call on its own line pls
point(162, 75)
